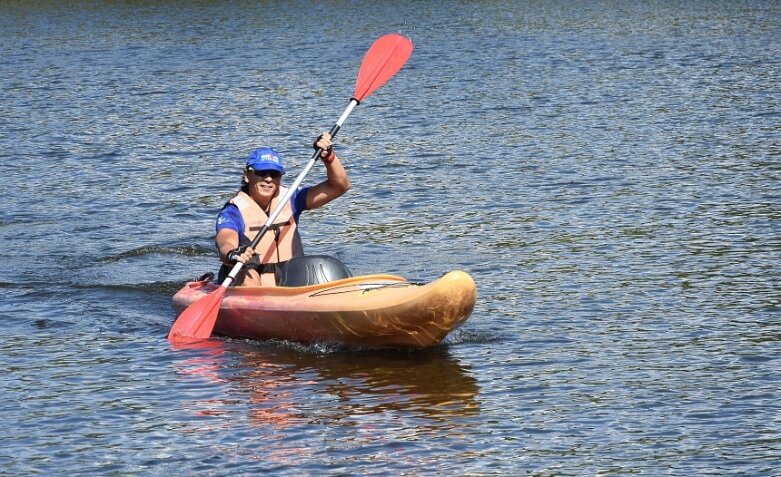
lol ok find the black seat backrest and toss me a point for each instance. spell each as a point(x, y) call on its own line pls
point(311, 270)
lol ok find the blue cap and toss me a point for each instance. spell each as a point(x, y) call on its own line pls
point(265, 159)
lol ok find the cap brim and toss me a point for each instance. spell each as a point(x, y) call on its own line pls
point(266, 166)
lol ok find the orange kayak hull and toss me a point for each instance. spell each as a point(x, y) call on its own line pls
point(369, 310)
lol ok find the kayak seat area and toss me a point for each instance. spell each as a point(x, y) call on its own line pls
point(311, 270)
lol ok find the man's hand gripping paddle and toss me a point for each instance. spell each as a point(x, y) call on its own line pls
point(384, 59)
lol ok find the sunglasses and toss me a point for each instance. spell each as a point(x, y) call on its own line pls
point(267, 172)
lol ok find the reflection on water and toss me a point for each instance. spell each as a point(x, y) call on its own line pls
point(286, 396)
point(289, 385)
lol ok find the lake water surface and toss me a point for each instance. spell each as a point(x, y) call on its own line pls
point(608, 172)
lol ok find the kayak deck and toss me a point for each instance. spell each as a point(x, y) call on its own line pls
point(369, 310)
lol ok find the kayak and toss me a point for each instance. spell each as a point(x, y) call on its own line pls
point(368, 310)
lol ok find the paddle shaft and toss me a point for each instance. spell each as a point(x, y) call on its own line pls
point(293, 187)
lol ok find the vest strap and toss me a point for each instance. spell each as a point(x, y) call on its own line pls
point(265, 267)
point(274, 268)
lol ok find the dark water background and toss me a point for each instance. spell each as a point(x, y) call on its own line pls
point(608, 172)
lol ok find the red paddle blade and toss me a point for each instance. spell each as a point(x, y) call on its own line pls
point(197, 321)
point(383, 60)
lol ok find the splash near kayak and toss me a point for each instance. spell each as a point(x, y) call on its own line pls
point(369, 310)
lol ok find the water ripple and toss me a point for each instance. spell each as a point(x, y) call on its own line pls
point(607, 173)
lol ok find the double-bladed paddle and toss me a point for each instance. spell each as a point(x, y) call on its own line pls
point(384, 59)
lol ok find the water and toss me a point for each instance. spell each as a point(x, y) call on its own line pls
point(607, 172)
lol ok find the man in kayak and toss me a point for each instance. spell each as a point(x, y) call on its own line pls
point(246, 213)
